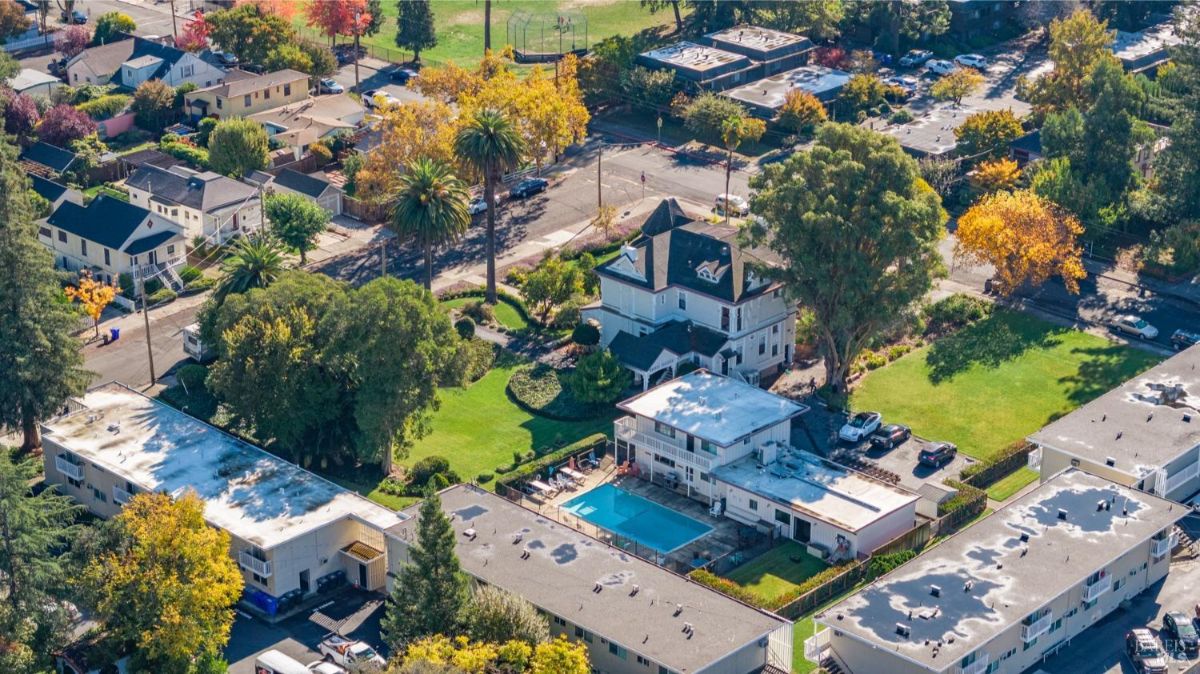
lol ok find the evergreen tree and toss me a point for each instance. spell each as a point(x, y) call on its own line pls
point(1177, 170)
point(40, 363)
point(430, 593)
point(415, 22)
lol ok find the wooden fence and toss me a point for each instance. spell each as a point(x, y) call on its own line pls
point(1010, 461)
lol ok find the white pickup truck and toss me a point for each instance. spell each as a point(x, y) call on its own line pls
point(343, 651)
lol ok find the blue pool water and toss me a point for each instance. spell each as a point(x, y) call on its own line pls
point(636, 518)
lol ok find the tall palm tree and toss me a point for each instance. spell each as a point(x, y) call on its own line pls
point(431, 208)
point(256, 261)
point(491, 145)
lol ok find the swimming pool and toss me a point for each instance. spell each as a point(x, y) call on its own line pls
point(636, 518)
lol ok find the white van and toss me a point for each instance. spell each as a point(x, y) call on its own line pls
point(274, 662)
point(195, 348)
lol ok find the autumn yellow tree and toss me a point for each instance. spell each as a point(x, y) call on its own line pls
point(956, 85)
point(560, 657)
point(801, 111)
point(998, 175)
point(472, 657)
point(409, 130)
point(93, 295)
point(164, 581)
point(1026, 238)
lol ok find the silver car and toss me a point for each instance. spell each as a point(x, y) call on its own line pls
point(1135, 326)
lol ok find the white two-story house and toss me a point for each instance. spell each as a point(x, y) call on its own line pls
point(112, 237)
point(685, 291)
point(204, 204)
point(129, 61)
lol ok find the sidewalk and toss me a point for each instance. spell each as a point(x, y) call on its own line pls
point(1187, 291)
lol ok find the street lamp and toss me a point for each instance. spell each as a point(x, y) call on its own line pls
point(660, 129)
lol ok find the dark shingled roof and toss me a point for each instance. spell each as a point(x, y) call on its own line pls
point(106, 221)
point(142, 48)
point(50, 156)
point(298, 182)
point(151, 242)
point(202, 191)
point(678, 337)
point(1030, 142)
point(47, 189)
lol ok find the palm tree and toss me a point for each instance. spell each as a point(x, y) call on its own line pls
point(256, 261)
point(431, 208)
point(491, 145)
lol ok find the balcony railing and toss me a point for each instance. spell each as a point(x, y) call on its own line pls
point(816, 645)
point(979, 666)
point(260, 566)
point(1092, 592)
point(1163, 546)
point(120, 496)
point(1037, 628)
point(71, 470)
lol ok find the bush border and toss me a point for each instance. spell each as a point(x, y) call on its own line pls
point(516, 400)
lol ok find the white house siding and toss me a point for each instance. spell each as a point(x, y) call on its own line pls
point(1054, 462)
point(318, 552)
point(195, 223)
point(738, 506)
point(1183, 475)
point(69, 254)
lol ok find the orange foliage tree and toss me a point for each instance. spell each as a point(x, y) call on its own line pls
point(998, 175)
point(1025, 237)
point(337, 17)
point(93, 295)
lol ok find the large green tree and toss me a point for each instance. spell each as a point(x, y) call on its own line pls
point(110, 26)
point(296, 221)
point(1077, 43)
point(498, 616)
point(490, 144)
point(249, 32)
point(857, 230)
point(40, 362)
point(431, 208)
point(891, 20)
point(1177, 170)
point(415, 31)
point(34, 529)
point(430, 592)
point(238, 146)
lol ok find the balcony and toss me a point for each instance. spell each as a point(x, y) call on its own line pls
point(66, 467)
point(816, 646)
point(259, 566)
point(1163, 546)
point(1092, 592)
point(982, 660)
point(626, 429)
point(120, 496)
point(1035, 629)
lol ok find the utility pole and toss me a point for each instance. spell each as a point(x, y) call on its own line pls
point(146, 317)
point(599, 192)
point(174, 28)
point(383, 257)
point(357, 31)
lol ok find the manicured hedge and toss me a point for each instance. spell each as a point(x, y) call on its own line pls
point(594, 442)
point(968, 497)
point(1000, 465)
point(740, 593)
point(501, 296)
point(542, 390)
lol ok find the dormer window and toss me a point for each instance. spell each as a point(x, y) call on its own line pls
point(706, 275)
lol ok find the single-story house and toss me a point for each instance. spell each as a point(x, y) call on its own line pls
point(112, 237)
point(34, 83)
point(246, 96)
point(314, 186)
point(298, 125)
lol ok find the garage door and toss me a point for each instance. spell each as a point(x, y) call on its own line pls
point(332, 202)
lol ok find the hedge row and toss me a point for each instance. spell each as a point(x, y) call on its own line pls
point(968, 496)
point(1000, 465)
point(594, 442)
point(501, 296)
point(543, 390)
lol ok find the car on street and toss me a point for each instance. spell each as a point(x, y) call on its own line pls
point(527, 188)
point(342, 651)
point(328, 85)
point(403, 75)
point(937, 454)
point(479, 204)
point(737, 205)
point(859, 426)
point(346, 53)
point(890, 436)
point(915, 57)
point(1179, 634)
point(1145, 653)
point(322, 667)
point(904, 85)
point(226, 58)
point(940, 67)
point(1135, 326)
point(1182, 339)
point(975, 61)
point(376, 98)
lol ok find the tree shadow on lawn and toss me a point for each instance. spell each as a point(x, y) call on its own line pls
point(990, 343)
point(1102, 369)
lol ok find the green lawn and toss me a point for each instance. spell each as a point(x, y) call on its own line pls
point(506, 314)
point(479, 428)
point(996, 382)
point(774, 573)
point(1004, 489)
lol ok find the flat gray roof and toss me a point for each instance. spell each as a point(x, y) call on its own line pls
point(635, 605)
point(770, 92)
point(1142, 424)
point(819, 488)
point(1135, 46)
point(719, 409)
point(757, 39)
point(248, 492)
point(692, 56)
point(1010, 579)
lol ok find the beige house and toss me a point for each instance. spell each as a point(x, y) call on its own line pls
point(290, 530)
point(1007, 593)
point(298, 125)
point(247, 96)
point(205, 204)
point(112, 237)
point(129, 61)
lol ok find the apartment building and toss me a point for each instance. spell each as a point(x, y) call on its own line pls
point(728, 443)
point(205, 204)
point(634, 617)
point(730, 57)
point(684, 291)
point(1009, 591)
point(288, 528)
point(111, 237)
point(1144, 434)
point(246, 96)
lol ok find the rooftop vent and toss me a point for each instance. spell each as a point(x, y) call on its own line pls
point(634, 590)
point(525, 553)
point(517, 538)
point(1110, 461)
point(1024, 538)
point(902, 629)
point(1062, 514)
point(968, 585)
point(935, 590)
point(678, 610)
point(1187, 418)
point(597, 587)
point(470, 533)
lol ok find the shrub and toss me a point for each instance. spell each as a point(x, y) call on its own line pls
point(479, 311)
point(586, 334)
point(726, 586)
point(567, 315)
point(192, 376)
point(484, 478)
point(516, 276)
point(465, 327)
point(543, 390)
point(200, 285)
point(881, 564)
point(189, 273)
point(161, 295)
point(897, 351)
point(901, 116)
point(204, 129)
point(128, 288)
point(873, 360)
point(63, 124)
point(596, 442)
point(105, 107)
point(191, 154)
point(477, 357)
point(954, 312)
point(433, 472)
point(321, 153)
point(154, 105)
point(967, 496)
point(599, 378)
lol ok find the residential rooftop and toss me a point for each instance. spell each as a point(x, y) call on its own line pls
point(1144, 48)
point(240, 86)
point(719, 409)
point(589, 583)
point(248, 492)
point(1000, 570)
point(769, 93)
point(818, 487)
point(761, 42)
point(694, 57)
point(1141, 425)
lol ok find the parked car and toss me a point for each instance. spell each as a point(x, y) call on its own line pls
point(342, 651)
point(227, 58)
point(479, 204)
point(276, 662)
point(77, 16)
point(1182, 339)
point(915, 57)
point(376, 98)
point(940, 67)
point(890, 436)
point(937, 454)
point(528, 187)
point(322, 667)
point(1179, 634)
point(975, 61)
point(328, 85)
point(346, 53)
point(736, 204)
point(860, 426)
point(1145, 653)
point(403, 75)
point(906, 86)
point(1135, 326)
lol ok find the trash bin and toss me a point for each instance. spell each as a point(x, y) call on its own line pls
point(115, 332)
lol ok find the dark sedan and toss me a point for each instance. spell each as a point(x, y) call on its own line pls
point(890, 436)
point(528, 187)
point(937, 454)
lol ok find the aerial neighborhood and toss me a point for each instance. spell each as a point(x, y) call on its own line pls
point(549, 337)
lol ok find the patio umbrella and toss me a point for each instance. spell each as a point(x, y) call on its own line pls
point(592, 456)
point(571, 463)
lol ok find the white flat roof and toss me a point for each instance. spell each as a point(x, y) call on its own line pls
point(1133, 46)
point(248, 492)
point(693, 56)
point(819, 488)
point(711, 407)
point(772, 91)
point(754, 37)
